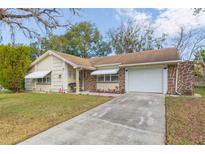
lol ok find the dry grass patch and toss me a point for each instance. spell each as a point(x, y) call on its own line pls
point(25, 114)
point(185, 120)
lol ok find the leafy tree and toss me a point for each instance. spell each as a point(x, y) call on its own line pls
point(83, 39)
point(14, 63)
point(200, 56)
point(133, 37)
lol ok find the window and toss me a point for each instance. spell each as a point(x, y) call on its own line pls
point(114, 78)
point(45, 80)
point(39, 80)
point(100, 78)
point(107, 78)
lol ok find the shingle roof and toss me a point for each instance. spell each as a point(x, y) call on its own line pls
point(74, 59)
point(166, 54)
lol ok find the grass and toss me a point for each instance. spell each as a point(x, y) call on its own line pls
point(185, 119)
point(24, 115)
point(200, 91)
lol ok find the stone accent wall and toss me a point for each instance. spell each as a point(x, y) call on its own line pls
point(185, 78)
point(185, 84)
point(171, 79)
point(90, 81)
point(122, 80)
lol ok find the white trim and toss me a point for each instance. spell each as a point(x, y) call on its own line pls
point(114, 64)
point(151, 63)
point(126, 79)
point(165, 80)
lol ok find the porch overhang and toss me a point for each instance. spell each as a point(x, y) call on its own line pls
point(105, 71)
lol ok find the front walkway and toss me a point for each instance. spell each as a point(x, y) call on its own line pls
point(133, 118)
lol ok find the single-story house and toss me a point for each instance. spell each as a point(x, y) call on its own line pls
point(157, 71)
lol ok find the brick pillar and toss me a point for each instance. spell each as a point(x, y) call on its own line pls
point(90, 81)
point(122, 80)
point(186, 78)
point(171, 78)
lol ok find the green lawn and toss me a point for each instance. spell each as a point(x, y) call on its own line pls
point(185, 119)
point(23, 115)
point(200, 91)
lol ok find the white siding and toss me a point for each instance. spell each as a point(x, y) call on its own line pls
point(59, 75)
point(29, 83)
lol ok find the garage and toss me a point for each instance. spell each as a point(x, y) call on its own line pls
point(146, 79)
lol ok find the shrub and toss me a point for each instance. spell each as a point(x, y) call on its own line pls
point(14, 63)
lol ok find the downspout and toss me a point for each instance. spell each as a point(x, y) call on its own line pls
point(176, 84)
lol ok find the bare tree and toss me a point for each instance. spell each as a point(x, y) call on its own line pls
point(189, 42)
point(133, 37)
point(198, 10)
point(46, 20)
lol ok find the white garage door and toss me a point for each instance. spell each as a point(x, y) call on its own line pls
point(145, 80)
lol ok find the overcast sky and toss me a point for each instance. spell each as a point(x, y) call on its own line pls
point(168, 21)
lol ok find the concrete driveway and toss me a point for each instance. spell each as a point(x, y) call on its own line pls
point(132, 118)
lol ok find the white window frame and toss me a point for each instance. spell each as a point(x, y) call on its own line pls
point(46, 82)
point(106, 81)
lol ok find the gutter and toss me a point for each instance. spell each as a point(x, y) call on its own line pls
point(114, 64)
point(152, 63)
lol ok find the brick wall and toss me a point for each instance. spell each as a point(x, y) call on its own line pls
point(185, 78)
point(90, 81)
point(171, 79)
point(185, 84)
point(122, 80)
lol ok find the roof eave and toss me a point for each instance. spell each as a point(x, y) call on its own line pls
point(84, 67)
point(103, 65)
point(152, 63)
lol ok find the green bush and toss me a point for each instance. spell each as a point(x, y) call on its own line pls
point(14, 63)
